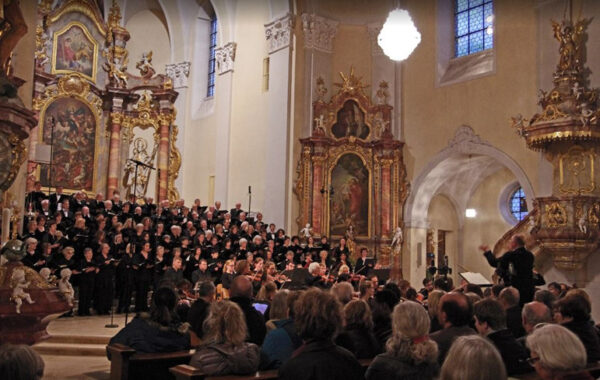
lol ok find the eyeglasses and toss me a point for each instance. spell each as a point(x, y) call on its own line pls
point(532, 361)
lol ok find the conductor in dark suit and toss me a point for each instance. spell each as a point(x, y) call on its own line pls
point(515, 267)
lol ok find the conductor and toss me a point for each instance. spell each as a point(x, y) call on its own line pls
point(515, 267)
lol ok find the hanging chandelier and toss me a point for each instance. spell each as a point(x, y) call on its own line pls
point(399, 35)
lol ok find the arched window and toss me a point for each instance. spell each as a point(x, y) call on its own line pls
point(518, 205)
point(211, 57)
point(473, 26)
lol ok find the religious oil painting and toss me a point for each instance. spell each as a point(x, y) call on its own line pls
point(75, 50)
point(70, 128)
point(350, 199)
point(350, 122)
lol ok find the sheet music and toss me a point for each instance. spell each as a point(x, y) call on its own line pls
point(475, 278)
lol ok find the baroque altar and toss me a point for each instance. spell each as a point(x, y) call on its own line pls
point(351, 174)
point(94, 114)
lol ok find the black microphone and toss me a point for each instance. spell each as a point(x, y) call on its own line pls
point(249, 189)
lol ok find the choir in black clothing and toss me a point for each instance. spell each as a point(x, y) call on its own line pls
point(119, 250)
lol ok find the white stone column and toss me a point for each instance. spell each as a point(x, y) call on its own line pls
point(224, 57)
point(279, 34)
point(179, 73)
point(319, 33)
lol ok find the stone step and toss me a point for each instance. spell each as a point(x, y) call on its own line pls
point(77, 339)
point(68, 349)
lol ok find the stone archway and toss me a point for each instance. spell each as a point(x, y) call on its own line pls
point(456, 172)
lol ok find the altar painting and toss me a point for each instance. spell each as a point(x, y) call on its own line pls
point(75, 50)
point(350, 198)
point(73, 141)
point(350, 122)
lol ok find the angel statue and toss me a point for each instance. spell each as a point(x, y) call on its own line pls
point(19, 284)
point(397, 240)
point(306, 232)
point(145, 66)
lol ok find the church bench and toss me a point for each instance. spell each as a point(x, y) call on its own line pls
point(126, 364)
point(188, 372)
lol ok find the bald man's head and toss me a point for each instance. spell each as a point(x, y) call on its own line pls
point(455, 310)
point(534, 313)
point(241, 287)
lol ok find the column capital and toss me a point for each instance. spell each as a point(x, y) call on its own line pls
point(224, 57)
point(179, 73)
point(319, 32)
point(279, 32)
point(374, 30)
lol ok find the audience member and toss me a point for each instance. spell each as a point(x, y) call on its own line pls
point(473, 358)
point(318, 316)
point(278, 310)
point(557, 353)
point(357, 335)
point(241, 294)
point(157, 331)
point(433, 304)
point(20, 362)
point(281, 342)
point(382, 306)
point(455, 313)
point(490, 322)
point(509, 299)
point(573, 312)
point(533, 314)
point(410, 354)
point(199, 309)
point(224, 350)
point(343, 291)
point(546, 297)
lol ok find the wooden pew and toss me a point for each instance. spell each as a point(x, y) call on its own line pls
point(126, 364)
point(188, 372)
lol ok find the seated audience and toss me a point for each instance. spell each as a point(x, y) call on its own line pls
point(357, 335)
point(455, 313)
point(157, 331)
point(278, 309)
point(343, 291)
point(381, 308)
point(241, 294)
point(473, 358)
point(199, 309)
point(224, 350)
point(490, 322)
point(318, 316)
point(509, 299)
point(20, 362)
point(281, 342)
point(433, 304)
point(557, 353)
point(573, 312)
point(546, 297)
point(533, 314)
point(410, 354)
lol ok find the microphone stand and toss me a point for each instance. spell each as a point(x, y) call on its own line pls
point(52, 124)
point(249, 199)
point(135, 175)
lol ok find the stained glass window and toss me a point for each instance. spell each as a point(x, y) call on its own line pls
point(474, 26)
point(518, 205)
point(211, 57)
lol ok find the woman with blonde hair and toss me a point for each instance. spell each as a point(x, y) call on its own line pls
point(433, 304)
point(224, 350)
point(278, 309)
point(557, 353)
point(472, 357)
point(410, 354)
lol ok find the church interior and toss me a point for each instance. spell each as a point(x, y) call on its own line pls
point(298, 115)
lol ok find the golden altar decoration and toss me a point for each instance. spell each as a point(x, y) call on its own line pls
point(351, 174)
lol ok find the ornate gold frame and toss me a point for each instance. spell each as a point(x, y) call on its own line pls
point(71, 86)
point(55, 44)
point(577, 150)
point(77, 6)
point(333, 120)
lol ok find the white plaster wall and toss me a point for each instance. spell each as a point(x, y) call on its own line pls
point(148, 32)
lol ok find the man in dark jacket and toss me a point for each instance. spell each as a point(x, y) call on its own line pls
point(490, 322)
point(454, 314)
point(199, 310)
point(241, 293)
point(515, 267)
